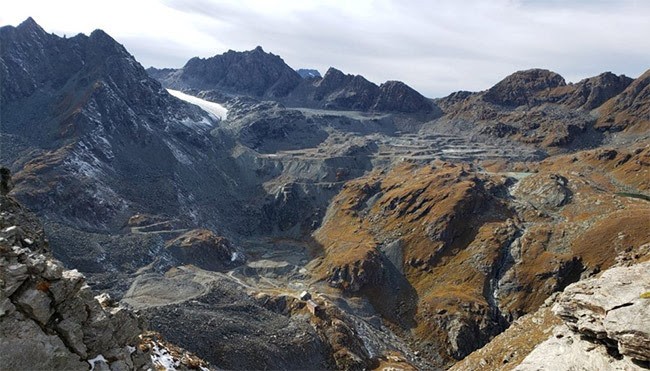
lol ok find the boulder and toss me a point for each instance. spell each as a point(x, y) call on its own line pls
point(36, 303)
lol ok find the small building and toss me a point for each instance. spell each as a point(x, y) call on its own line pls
point(313, 307)
point(305, 295)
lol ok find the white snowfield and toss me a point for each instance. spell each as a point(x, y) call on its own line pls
point(215, 110)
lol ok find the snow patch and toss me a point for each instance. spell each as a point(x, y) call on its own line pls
point(215, 110)
point(235, 256)
point(99, 358)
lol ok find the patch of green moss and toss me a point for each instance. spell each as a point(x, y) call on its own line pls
point(645, 295)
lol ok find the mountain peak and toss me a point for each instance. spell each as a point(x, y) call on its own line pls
point(253, 72)
point(333, 72)
point(29, 25)
point(516, 88)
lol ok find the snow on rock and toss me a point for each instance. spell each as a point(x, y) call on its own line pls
point(161, 358)
point(100, 358)
point(215, 110)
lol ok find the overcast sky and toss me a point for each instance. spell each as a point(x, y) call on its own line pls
point(437, 47)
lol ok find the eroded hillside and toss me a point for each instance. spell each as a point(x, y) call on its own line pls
point(451, 254)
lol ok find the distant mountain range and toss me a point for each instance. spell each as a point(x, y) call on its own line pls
point(306, 73)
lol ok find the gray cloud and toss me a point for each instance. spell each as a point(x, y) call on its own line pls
point(435, 46)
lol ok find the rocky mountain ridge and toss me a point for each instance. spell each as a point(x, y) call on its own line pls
point(265, 76)
point(253, 72)
point(537, 107)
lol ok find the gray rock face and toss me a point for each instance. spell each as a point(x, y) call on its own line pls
point(565, 350)
point(612, 309)
point(36, 304)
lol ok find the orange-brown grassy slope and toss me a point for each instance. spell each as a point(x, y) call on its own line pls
point(474, 253)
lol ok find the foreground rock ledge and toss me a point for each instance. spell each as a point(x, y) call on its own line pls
point(607, 324)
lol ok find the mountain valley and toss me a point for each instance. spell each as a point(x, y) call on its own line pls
point(265, 218)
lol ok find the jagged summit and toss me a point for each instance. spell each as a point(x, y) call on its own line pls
point(30, 24)
point(254, 72)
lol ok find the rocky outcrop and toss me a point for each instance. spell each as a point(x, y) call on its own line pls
point(605, 324)
point(520, 87)
point(566, 350)
point(396, 96)
point(360, 274)
point(545, 191)
point(205, 249)
point(49, 318)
